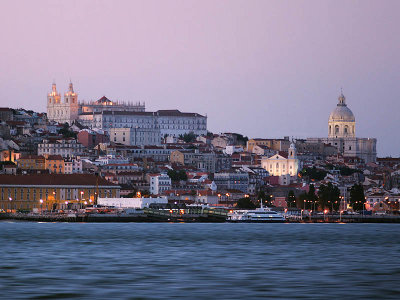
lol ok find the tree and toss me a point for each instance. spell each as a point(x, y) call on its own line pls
point(177, 175)
point(188, 137)
point(66, 132)
point(241, 139)
point(357, 198)
point(291, 199)
point(329, 197)
point(312, 198)
point(264, 198)
point(182, 175)
point(313, 173)
point(245, 203)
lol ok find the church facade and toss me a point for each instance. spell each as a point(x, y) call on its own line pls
point(342, 134)
point(62, 110)
point(282, 163)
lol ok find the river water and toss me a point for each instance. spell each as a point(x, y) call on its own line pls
point(199, 261)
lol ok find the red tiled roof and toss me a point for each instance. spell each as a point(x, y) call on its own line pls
point(55, 157)
point(32, 157)
point(54, 179)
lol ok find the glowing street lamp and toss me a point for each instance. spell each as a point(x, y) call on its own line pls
point(10, 199)
point(41, 205)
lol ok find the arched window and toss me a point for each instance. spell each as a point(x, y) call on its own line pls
point(277, 165)
point(337, 129)
point(330, 129)
point(346, 129)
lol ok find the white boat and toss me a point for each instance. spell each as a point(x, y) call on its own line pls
point(262, 214)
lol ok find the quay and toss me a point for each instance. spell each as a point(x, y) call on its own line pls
point(186, 215)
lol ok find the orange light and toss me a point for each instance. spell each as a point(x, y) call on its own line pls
point(170, 211)
point(325, 211)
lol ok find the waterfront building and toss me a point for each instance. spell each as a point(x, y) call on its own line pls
point(58, 191)
point(232, 180)
point(159, 183)
point(342, 134)
point(282, 163)
point(137, 203)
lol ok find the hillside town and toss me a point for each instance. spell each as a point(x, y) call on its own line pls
point(79, 152)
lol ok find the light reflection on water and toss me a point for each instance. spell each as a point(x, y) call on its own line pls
point(199, 261)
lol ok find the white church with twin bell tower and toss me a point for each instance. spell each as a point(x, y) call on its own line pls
point(62, 111)
point(342, 134)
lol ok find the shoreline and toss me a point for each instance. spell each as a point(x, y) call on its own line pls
point(143, 218)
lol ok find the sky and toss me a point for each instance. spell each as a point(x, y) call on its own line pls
point(260, 68)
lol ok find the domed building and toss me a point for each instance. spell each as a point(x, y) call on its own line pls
point(342, 122)
point(342, 134)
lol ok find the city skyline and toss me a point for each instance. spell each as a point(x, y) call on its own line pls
point(263, 69)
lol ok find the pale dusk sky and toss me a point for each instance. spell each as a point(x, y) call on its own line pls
point(260, 68)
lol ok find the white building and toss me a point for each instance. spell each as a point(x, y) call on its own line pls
point(282, 164)
point(138, 203)
point(105, 104)
point(167, 122)
point(176, 123)
point(342, 134)
point(62, 111)
point(159, 183)
point(110, 159)
point(135, 136)
point(63, 147)
point(73, 166)
point(105, 114)
point(230, 149)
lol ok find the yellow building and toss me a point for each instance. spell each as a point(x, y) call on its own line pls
point(177, 157)
point(31, 162)
point(57, 191)
point(55, 164)
point(9, 155)
point(274, 144)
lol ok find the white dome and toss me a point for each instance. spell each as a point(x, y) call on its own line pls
point(342, 112)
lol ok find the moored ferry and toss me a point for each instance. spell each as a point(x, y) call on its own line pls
point(258, 215)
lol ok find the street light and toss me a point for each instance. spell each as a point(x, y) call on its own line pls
point(41, 206)
point(341, 215)
point(10, 199)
